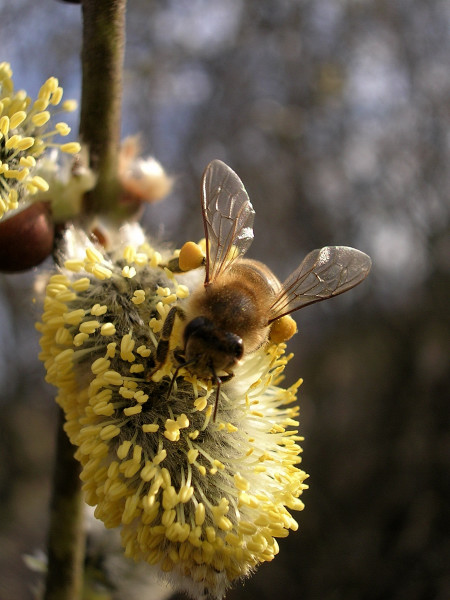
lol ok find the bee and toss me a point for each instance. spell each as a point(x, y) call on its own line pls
point(242, 304)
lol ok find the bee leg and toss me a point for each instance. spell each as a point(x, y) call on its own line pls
point(162, 349)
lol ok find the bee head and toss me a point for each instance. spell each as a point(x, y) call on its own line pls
point(209, 348)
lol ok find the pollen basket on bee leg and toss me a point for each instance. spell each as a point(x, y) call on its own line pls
point(282, 329)
point(190, 257)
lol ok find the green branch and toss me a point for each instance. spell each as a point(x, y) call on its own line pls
point(102, 64)
point(66, 533)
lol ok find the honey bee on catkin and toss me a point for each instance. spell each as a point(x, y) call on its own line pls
point(242, 305)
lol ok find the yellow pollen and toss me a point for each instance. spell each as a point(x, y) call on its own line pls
point(192, 455)
point(160, 457)
point(98, 310)
point(89, 326)
point(109, 431)
point(155, 259)
point(111, 349)
point(170, 299)
point(71, 147)
point(128, 272)
point(182, 291)
point(80, 338)
point(73, 264)
point(94, 255)
point(81, 285)
point(126, 346)
point(163, 291)
point(150, 428)
point(113, 377)
point(126, 393)
point(108, 329)
point(40, 118)
point(241, 483)
point(17, 118)
point(70, 105)
point(200, 513)
point(123, 449)
point(138, 297)
point(132, 410)
point(63, 129)
point(100, 366)
point(143, 351)
point(27, 161)
point(140, 397)
point(64, 356)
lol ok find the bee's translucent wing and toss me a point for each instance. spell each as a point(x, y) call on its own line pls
point(227, 217)
point(323, 274)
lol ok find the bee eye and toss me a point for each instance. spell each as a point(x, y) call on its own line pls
point(237, 348)
point(196, 325)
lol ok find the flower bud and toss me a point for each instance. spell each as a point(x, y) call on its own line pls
point(26, 238)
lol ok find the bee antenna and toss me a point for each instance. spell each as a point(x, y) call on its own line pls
point(218, 382)
point(216, 404)
point(175, 375)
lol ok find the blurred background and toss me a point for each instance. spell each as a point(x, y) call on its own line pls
point(335, 114)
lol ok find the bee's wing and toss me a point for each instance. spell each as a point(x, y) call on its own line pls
point(323, 274)
point(227, 217)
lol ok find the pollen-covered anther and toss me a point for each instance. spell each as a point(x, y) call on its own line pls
point(132, 410)
point(155, 324)
point(126, 348)
point(128, 271)
point(241, 483)
point(163, 291)
point(89, 326)
point(108, 329)
point(109, 431)
point(173, 427)
point(150, 427)
point(113, 378)
point(81, 285)
point(138, 297)
point(74, 264)
point(100, 366)
point(101, 272)
point(170, 299)
point(98, 310)
point(70, 147)
point(144, 351)
point(80, 338)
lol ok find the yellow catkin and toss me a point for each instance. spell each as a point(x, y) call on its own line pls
point(179, 483)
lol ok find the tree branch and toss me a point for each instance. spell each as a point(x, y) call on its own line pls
point(66, 533)
point(102, 63)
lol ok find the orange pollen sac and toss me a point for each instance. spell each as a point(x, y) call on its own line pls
point(191, 256)
point(282, 329)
